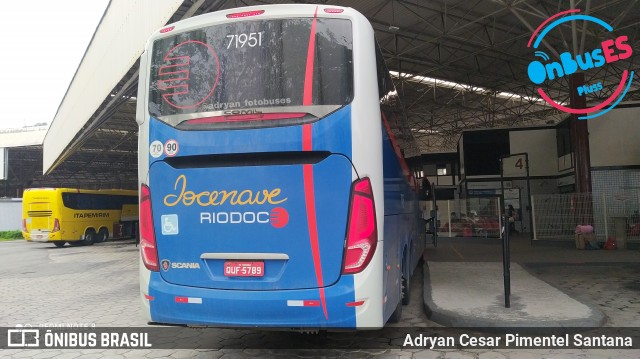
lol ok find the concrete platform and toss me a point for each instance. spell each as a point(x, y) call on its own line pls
point(471, 294)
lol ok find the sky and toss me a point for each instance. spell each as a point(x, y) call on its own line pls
point(41, 45)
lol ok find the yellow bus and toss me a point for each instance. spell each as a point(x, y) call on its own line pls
point(80, 217)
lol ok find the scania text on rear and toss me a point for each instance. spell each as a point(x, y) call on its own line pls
point(273, 192)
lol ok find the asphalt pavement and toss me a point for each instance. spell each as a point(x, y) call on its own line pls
point(98, 285)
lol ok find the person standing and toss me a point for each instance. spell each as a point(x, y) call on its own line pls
point(511, 218)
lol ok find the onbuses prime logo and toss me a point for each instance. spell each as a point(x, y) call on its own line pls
point(609, 51)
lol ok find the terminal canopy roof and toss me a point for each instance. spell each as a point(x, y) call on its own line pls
point(459, 64)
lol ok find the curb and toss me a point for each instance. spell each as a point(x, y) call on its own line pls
point(452, 319)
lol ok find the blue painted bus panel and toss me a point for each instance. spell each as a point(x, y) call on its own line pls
point(254, 209)
point(331, 133)
point(400, 225)
point(187, 228)
point(216, 307)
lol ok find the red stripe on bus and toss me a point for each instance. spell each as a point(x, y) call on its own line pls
point(309, 196)
point(307, 97)
point(307, 135)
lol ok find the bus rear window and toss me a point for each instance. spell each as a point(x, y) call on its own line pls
point(250, 65)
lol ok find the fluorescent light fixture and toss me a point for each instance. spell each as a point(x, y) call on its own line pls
point(464, 87)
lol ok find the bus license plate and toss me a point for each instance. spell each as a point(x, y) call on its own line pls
point(243, 269)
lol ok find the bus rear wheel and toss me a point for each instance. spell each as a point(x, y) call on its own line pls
point(103, 235)
point(89, 237)
point(59, 244)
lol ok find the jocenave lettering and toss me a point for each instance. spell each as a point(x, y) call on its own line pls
point(220, 197)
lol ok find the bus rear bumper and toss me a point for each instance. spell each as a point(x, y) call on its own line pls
point(43, 238)
point(173, 304)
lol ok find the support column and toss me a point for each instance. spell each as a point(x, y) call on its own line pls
point(581, 155)
point(580, 137)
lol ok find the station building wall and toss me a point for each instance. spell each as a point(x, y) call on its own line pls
point(614, 150)
point(540, 144)
point(10, 214)
point(615, 168)
point(441, 170)
point(614, 138)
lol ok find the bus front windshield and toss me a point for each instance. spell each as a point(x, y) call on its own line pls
point(258, 64)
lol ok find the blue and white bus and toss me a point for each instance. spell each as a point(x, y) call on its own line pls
point(273, 191)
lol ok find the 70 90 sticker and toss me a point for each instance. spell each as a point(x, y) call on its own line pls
point(171, 148)
point(155, 149)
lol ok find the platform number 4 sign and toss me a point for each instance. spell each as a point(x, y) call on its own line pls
point(514, 166)
point(519, 163)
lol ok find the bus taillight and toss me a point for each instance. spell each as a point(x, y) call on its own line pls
point(56, 225)
point(147, 234)
point(24, 224)
point(362, 232)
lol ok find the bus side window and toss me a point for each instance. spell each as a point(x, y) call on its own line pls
point(100, 202)
point(69, 200)
point(83, 202)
